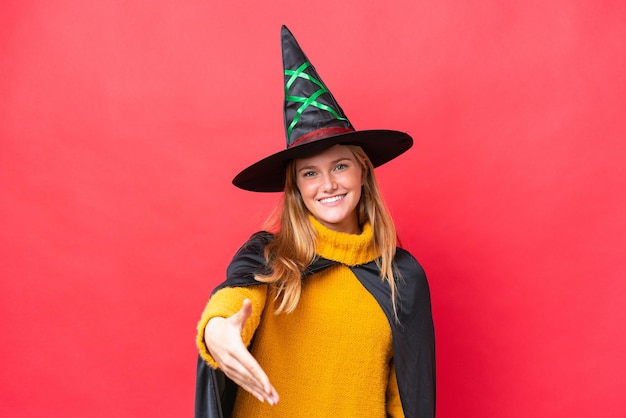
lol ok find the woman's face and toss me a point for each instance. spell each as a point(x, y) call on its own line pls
point(330, 186)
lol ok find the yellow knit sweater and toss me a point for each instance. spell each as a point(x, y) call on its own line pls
point(332, 357)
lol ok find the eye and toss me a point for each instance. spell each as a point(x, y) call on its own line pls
point(341, 166)
point(308, 174)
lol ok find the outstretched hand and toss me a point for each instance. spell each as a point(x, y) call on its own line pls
point(222, 337)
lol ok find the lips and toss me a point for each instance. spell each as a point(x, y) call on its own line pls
point(332, 199)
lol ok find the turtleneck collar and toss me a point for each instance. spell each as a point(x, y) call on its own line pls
point(348, 249)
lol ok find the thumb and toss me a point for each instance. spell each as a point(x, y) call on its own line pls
point(243, 314)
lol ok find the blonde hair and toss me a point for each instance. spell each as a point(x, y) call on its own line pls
point(293, 248)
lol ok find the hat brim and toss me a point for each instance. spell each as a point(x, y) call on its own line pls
point(268, 175)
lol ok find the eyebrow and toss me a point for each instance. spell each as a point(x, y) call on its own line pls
point(308, 167)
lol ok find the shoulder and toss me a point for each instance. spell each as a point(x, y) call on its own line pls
point(250, 258)
point(406, 262)
point(255, 245)
point(257, 242)
point(412, 276)
point(413, 289)
point(248, 261)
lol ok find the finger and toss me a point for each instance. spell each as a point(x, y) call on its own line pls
point(248, 367)
point(251, 376)
point(252, 385)
point(245, 383)
point(243, 314)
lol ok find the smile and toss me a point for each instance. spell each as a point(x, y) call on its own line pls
point(332, 199)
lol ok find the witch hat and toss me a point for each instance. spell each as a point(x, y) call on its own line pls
point(314, 121)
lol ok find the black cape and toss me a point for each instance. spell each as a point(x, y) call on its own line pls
point(412, 334)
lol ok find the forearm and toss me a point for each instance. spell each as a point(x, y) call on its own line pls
point(225, 303)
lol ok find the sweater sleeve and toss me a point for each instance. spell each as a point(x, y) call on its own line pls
point(226, 302)
point(394, 405)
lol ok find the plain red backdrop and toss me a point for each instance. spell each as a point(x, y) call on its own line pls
point(122, 124)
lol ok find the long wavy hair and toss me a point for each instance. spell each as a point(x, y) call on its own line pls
point(293, 248)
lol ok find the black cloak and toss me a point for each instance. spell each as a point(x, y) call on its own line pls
point(412, 333)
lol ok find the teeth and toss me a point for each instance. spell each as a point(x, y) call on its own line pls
point(331, 199)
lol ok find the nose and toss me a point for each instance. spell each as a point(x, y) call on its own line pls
point(329, 184)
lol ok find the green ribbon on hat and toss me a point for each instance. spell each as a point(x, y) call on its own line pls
point(306, 101)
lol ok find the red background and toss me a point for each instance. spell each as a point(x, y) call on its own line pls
point(122, 124)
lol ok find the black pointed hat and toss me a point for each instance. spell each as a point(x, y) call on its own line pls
point(314, 121)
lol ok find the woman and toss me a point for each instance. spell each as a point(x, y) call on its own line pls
point(325, 311)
